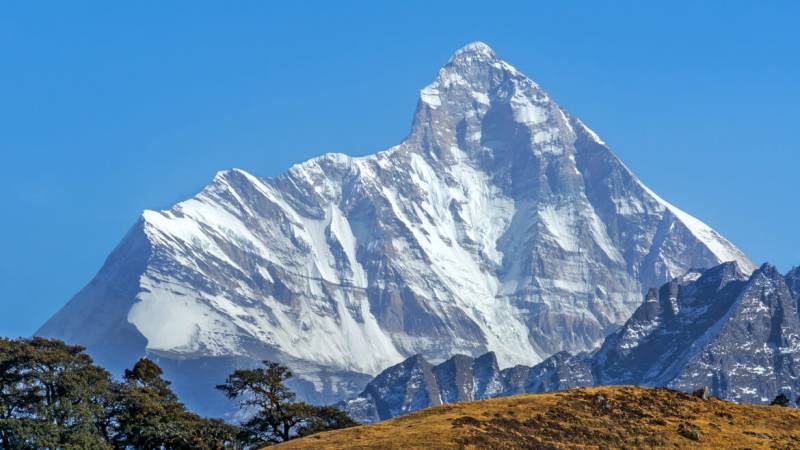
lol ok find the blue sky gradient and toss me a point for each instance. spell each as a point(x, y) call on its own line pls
point(107, 108)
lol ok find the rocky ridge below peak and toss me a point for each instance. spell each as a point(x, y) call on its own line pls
point(736, 334)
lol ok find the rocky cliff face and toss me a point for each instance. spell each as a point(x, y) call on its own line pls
point(502, 223)
point(655, 340)
point(735, 333)
point(415, 383)
point(793, 281)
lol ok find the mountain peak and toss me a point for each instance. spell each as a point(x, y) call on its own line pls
point(467, 86)
point(496, 201)
point(475, 49)
point(768, 270)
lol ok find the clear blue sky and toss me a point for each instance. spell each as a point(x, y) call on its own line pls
point(107, 109)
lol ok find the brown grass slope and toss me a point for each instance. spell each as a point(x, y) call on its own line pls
point(591, 418)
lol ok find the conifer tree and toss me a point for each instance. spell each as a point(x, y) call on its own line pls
point(274, 415)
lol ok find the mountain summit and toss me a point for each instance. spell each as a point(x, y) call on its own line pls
point(501, 223)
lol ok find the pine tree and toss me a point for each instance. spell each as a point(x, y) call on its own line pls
point(276, 416)
point(52, 396)
point(152, 417)
point(49, 395)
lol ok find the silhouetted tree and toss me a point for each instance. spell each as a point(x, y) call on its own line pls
point(52, 396)
point(781, 400)
point(150, 415)
point(326, 418)
point(274, 415)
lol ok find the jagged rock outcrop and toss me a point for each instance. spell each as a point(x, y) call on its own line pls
point(415, 383)
point(737, 334)
point(793, 281)
point(657, 339)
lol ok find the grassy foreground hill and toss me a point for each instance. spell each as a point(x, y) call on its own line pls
point(591, 418)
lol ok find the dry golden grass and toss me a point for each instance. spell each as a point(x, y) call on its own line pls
point(593, 418)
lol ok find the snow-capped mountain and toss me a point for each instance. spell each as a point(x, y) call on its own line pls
point(501, 223)
point(735, 333)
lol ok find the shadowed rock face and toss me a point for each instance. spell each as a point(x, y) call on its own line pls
point(502, 223)
point(461, 378)
point(737, 334)
point(649, 348)
point(793, 281)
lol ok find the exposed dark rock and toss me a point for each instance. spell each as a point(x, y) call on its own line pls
point(688, 433)
point(703, 393)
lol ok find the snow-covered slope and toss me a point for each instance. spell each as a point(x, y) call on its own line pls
point(501, 223)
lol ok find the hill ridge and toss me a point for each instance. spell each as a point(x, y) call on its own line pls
point(606, 417)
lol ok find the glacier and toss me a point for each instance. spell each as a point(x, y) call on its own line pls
point(501, 223)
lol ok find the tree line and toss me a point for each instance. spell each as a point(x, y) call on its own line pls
point(53, 396)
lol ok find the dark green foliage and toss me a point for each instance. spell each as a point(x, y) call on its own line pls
point(150, 415)
point(781, 400)
point(50, 396)
point(326, 418)
point(274, 415)
point(53, 397)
